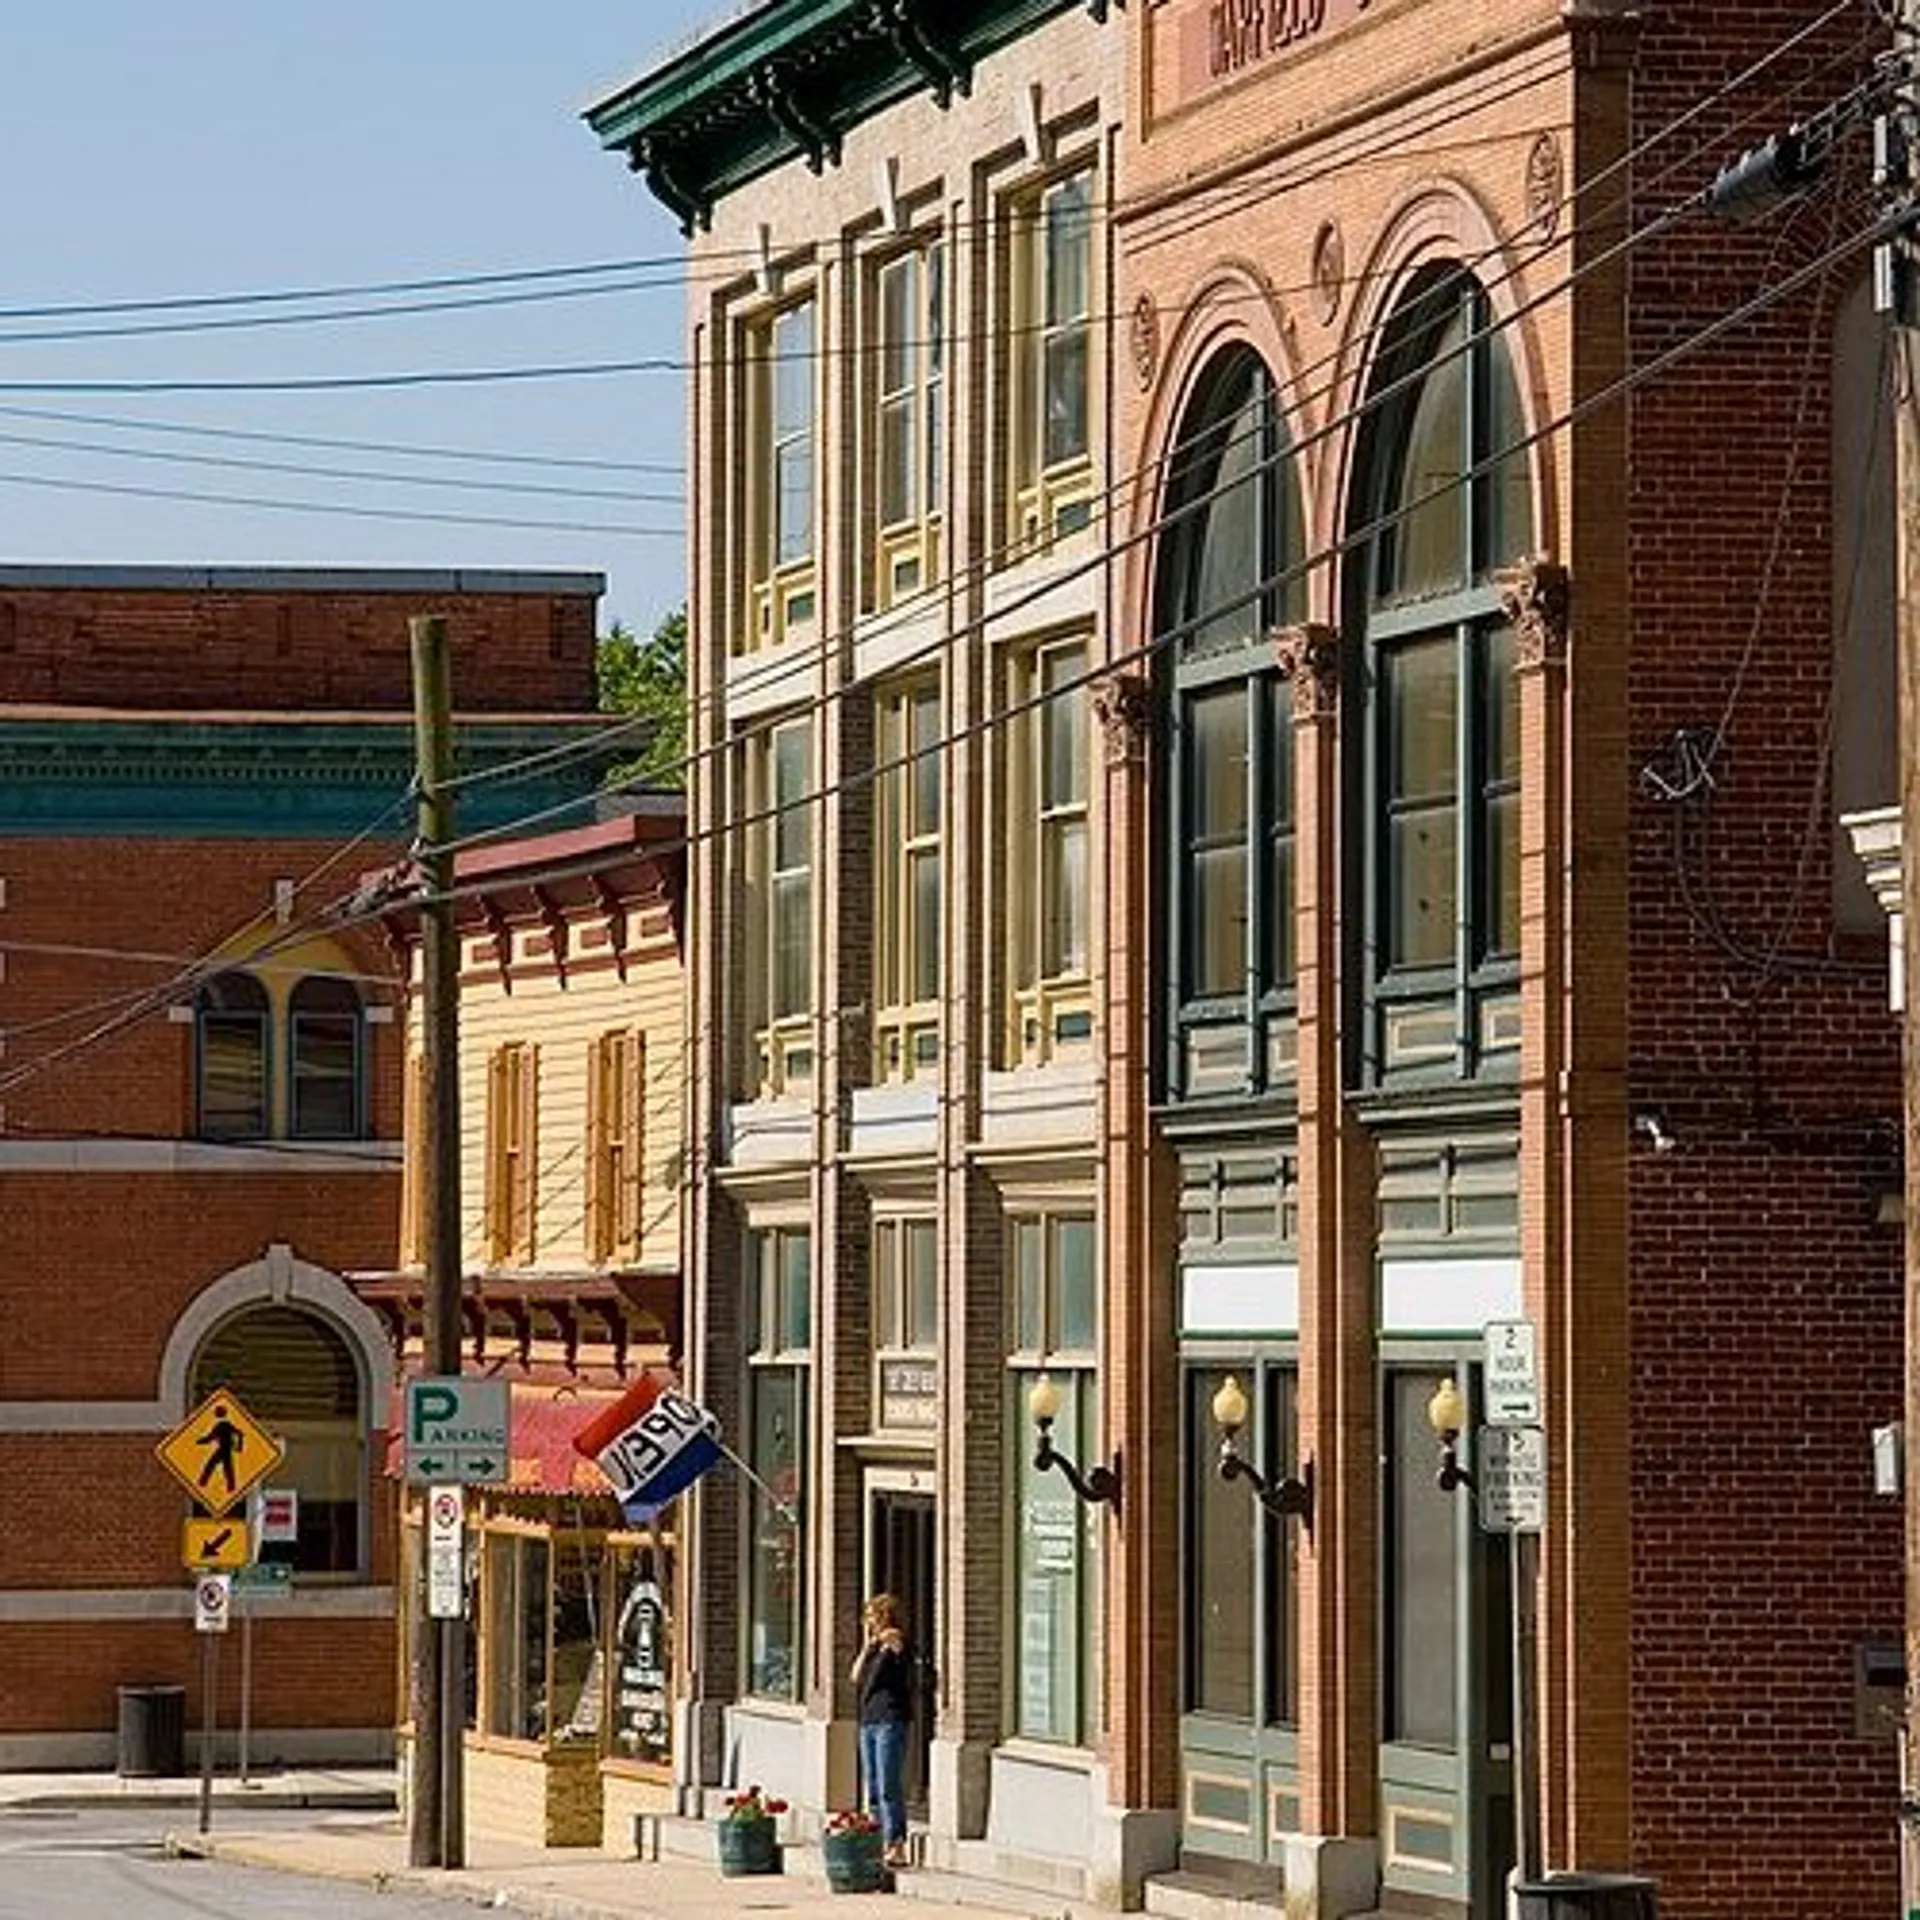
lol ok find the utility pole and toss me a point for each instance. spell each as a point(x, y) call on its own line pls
point(436, 1827)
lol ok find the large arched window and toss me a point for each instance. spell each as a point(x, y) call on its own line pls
point(1443, 497)
point(324, 1100)
point(297, 1376)
point(1227, 573)
point(231, 1023)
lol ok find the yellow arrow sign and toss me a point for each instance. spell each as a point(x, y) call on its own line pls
point(219, 1451)
point(213, 1546)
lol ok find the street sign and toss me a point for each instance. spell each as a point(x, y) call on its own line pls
point(264, 1580)
point(1510, 1354)
point(275, 1512)
point(457, 1431)
point(213, 1546)
point(1511, 1472)
point(219, 1452)
point(446, 1550)
point(211, 1595)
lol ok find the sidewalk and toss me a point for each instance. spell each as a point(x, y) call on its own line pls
point(584, 1883)
point(328, 1789)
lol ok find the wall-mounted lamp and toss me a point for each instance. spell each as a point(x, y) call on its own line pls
point(1098, 1485)
point(1281, 1497)
point(1447, 1414)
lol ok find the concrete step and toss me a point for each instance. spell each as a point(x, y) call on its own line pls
point(1188, 1895)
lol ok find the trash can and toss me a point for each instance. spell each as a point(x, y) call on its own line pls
point(1587, 1896)
point(153, 1731)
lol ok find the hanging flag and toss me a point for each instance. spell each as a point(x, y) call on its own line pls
point(652, 1443)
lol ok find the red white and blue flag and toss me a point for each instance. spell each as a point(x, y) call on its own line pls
point(653, 1444)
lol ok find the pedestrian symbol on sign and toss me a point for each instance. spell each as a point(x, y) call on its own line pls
point(220, 1452)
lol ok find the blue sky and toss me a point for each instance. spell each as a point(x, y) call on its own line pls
point(228, 146)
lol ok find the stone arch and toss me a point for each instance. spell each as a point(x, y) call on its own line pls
point(279, 1278)
point(1441, 220)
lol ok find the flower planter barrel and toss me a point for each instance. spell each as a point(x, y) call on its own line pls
point(853, 1862)
point(748, 1846)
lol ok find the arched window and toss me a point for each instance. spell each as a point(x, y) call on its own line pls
point(1443, 497)
point(324, 1095)
point(230, 1043)
point(297, 1376)
point(1227, 574)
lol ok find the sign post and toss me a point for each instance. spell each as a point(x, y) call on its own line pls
point(1512, 1483)
point(211, 1595)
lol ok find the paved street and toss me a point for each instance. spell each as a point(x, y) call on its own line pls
point(61, 1864)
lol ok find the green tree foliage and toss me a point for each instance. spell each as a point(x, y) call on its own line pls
point(648, 679)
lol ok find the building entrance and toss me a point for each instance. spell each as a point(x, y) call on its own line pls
point(901, 1557)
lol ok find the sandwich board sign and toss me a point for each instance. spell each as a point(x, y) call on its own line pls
point(220, 1452)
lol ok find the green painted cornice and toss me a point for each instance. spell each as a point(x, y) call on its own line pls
point(788, 79)
point(174, 777)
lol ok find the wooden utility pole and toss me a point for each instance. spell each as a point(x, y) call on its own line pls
point(436, 1827)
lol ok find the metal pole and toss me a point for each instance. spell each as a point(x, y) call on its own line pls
point(209, 1675)
point(1523, 1561)
point(438, 1839)
point(246, 1676)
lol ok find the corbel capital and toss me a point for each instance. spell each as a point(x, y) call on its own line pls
point(1309, 656)
point(1536, 597)
point(1123, 704)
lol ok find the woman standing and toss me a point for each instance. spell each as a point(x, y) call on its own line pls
point(886, 1707)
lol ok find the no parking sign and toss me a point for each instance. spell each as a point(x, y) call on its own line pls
point(212, 1595)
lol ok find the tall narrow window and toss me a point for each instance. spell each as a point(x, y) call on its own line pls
point(1053, 298)
point(1056, 1316)
point(907, 947)
point(780, 789)
point(1228, 574)
point(1422, 1575)
point(1047, 854)
point(1445, 498)
point(231, 1024)
point(781, 1316)
point(782, 366)
point(296, 1374)
point(324, 1036)
point(512, 1171)
point(616, 1097)
point(910, 292)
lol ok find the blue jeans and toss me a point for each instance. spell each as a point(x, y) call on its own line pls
point(883, 1765)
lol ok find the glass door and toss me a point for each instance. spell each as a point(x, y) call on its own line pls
point(901, 1556)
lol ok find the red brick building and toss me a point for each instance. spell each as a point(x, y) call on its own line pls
point(1276, 684)
point(200, 1096)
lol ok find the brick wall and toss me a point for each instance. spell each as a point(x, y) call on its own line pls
point(1766, 1303)
point(295, 642)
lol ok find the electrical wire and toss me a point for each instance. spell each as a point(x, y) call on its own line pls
point(1767, 297)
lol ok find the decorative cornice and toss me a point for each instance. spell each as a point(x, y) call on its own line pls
point(1123, 704)
point(1536, 596)
point(1309, 656)
point(789, 78)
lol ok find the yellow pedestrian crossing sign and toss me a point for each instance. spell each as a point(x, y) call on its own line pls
point(219, 1451)
point(214, 1546)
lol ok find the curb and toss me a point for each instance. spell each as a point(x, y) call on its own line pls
point(471, 1889)
point(272, 1799)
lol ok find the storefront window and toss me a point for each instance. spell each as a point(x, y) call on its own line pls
point(643, 1656)
point(516, 1630)
point(578, 1695)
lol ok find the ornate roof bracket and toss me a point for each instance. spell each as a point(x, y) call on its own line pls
point(652, 157)
point(501, 929)
point(473, 1311)
point(772, 87)
point(568, 1322)
point(615, 909)
point(943, 67)
point(555, 923)
point(1101, 8)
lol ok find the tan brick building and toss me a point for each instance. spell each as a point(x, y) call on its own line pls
point(1431, 664)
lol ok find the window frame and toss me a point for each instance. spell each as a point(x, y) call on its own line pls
point(1452, 1014)
point(1073, 1529)
point(297, 1070)
point(1049, 1006)
point(782, 579)
point(512, 1170)
point(259, 1020)
point(1051, 495)
point(910, 811)
point(616, 1144)
point(783, 1044)
point(779, 1361)
point(908, 535)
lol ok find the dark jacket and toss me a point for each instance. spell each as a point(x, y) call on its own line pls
point(884, 1682)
